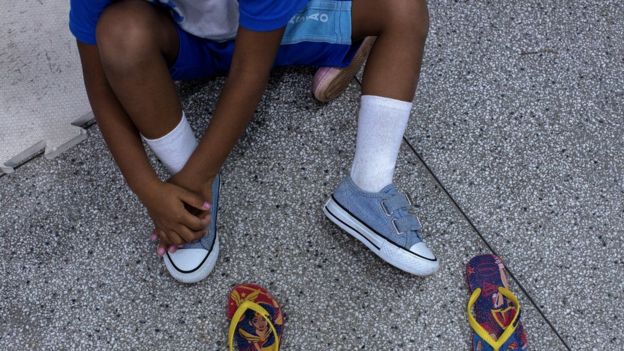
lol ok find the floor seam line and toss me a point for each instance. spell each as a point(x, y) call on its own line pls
point(487, 244)
point(474, 228)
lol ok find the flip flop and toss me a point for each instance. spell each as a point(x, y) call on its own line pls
point(493, 310)
point(256, 319)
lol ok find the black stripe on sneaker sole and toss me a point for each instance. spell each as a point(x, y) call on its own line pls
point(355, 230)
point(376, 233)
point(198, 266)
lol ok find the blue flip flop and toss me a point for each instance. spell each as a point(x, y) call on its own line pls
point(493, 310)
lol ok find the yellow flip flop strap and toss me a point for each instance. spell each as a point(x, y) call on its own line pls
point(481, 332)
point(240, 311)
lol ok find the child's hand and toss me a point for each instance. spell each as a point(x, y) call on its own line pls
point(180, 216)
point(203, 188)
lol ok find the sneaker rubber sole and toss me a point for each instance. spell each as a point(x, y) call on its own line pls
point(395, 255)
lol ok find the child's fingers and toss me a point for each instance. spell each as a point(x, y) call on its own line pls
point(174, 238)
point(168, 238)
point(194, 200)
point(163, 242)
point(163, 238)
point(190, 235)
point(205, 217)
point(160, 250)
point(200, 233)
point(192, 222)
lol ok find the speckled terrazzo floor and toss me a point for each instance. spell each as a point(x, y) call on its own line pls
point(86, 277)
point(514, 145)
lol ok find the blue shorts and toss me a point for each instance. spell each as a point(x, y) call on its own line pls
point(319, 35)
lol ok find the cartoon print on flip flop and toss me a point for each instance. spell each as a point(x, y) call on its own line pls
point(254, 333)
point(501, 311)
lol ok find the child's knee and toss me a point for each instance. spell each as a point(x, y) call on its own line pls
point(125, 31)
point(410, 17)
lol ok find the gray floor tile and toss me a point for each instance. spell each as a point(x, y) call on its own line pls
point(78, 271)
point(42, 97)
point(519, 113)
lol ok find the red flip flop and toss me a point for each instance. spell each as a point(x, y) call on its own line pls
point(493, 310)
point(256, 319)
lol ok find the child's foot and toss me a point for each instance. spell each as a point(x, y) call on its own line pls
point(383, 222)
point(330, 82)
point(195, 260)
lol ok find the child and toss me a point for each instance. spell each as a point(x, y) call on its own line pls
point(131, 52)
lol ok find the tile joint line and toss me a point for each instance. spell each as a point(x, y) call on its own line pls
point(474, 228)
point(461, 211)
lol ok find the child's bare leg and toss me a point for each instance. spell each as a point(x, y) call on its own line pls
point(389, 83)
point(401, 28)
point(136, 42)
point(367, 204)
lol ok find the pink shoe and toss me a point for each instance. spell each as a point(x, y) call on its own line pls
point(330, 82)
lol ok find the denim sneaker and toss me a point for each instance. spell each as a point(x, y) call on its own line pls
point(385, 223)
point(194, 261)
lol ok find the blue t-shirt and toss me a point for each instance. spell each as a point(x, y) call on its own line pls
point(254, 15)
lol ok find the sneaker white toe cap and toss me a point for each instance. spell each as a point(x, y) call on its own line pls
point(422, 250)
point(186, 260)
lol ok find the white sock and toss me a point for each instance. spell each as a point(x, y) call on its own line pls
point(382, 122)
point(174, 148)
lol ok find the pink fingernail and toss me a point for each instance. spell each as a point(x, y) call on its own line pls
point(206, 206)
point(160, 251)
point(153, 237)
point(172, 249)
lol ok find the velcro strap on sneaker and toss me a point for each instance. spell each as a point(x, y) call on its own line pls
point(407, 223)
point(396, 202)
